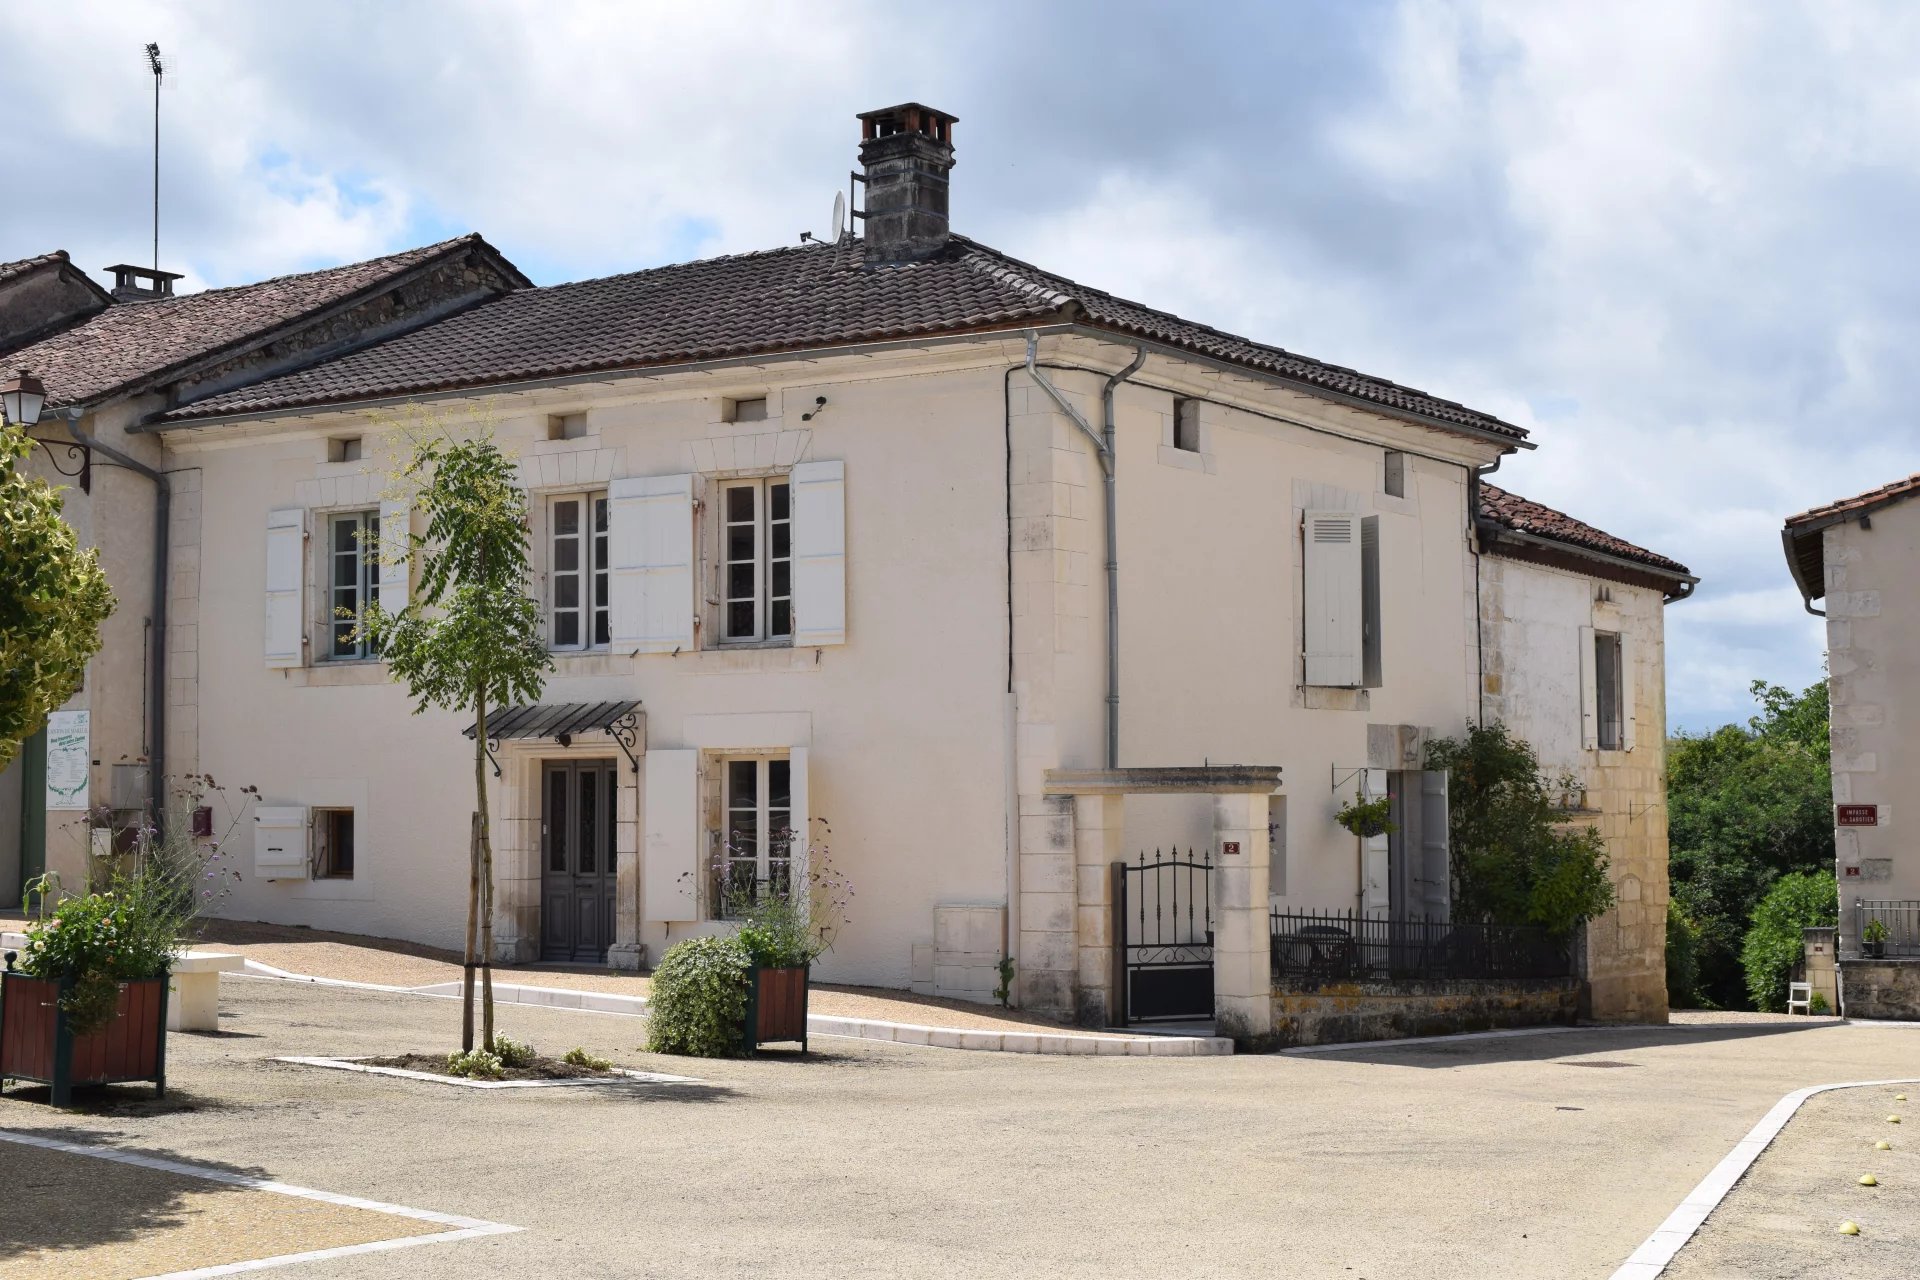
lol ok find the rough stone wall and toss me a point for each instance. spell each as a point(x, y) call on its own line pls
point(42, 302)
point(1531, 616)
point(1348, 1012)
point(1880, 989)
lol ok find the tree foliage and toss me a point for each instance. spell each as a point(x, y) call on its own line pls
point(469, 635)
point(1797, 901)
point(53, 598)
point(1515, 861)
point(1746, 805)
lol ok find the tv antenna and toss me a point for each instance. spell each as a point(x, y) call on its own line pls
point(159, 73)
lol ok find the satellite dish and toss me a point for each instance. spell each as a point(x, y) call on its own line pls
point(839, 215)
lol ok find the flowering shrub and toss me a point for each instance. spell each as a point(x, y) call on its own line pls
point(698, 1001)
point(782, 924)
point(511, 1052)
point(478, 1064)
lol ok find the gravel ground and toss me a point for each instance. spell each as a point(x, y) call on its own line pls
point(1780, 1221)
point(1472, 1158)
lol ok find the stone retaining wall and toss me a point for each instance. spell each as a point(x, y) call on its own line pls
point(1348, 1012)
point(1880, 988)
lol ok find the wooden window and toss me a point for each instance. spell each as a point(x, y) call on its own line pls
point(353, 581)
point(577, 585)
point(756, 836)
point(333, 844)
point(756, 560)
point(1608, 726)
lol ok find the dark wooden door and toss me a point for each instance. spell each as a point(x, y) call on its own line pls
point(577, 861)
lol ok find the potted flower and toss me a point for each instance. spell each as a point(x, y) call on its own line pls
point(1873, 938)
point(1367, 818)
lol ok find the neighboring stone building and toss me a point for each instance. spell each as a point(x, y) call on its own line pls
point(823, 532)
point(1572, 635)
point(1861, 556)
point(113, 360)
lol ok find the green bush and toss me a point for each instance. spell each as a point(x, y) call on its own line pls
point(578, 1057)
point(477, 1065)
point(1683, 958)
point(511, 1052)
point(1817, 1004)
point(1801, 900)
point(698, 1001)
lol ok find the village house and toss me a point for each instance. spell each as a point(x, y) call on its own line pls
point(892, 550)
point(1858, 556)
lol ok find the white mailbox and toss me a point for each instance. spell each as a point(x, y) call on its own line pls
point(280, 842)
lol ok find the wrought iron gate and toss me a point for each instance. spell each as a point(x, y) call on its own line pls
point(1163, 937)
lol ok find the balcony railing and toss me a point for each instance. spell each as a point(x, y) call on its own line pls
point(1332, 946)
point(1900, 919)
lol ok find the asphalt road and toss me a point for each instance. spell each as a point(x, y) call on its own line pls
point(1542, 1156)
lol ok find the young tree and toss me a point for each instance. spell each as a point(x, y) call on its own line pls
point(1514, 861)
point(53, 598)
point(469, 636)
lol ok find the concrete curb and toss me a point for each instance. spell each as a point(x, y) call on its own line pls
point(1653, 1255)
point(819, 1024)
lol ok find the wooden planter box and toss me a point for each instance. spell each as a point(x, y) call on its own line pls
point(777, 1007)
point(37, 1045)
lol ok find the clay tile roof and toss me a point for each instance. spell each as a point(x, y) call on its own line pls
point(789, 299)
point(1511, 511)
point(132, 342)
point(12, 270)
point(1871, 500)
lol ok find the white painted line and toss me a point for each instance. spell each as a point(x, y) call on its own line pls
point(459, 1228)
point(621, 1075)
point(1654, 1253)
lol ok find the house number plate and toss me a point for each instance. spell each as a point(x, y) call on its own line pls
point(1230, 848)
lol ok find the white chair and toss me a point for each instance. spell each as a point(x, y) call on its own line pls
point(1800, 997)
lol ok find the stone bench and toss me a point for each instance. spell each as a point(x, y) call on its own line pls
point(193, 997)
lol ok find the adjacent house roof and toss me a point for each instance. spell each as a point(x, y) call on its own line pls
point(790, 299)
point(133, 345)
point(1806, 556)
point(12, 270)
point(1507, 510)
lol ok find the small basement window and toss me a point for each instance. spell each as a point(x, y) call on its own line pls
point(344, 449)
point(566, 426)
point(754, 410)
point(1186, 425)
point(333, 844)
point(1395, 481)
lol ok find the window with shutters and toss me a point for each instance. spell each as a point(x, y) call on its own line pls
point(577, 580)
point(1608, 691)
point(1332, 598)
point(353, 581)
point(333, 844)
point(755, 853)
point(756, 561)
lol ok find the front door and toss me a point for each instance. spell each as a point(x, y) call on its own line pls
point(577, 881)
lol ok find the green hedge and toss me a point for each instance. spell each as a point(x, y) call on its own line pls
point(1800, 900)
point(697, 1003)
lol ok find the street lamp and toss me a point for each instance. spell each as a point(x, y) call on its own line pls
point(21, 397)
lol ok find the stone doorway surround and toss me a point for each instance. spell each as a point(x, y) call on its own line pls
point(1067, 946)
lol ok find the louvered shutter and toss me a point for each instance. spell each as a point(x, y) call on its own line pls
point(280, 842)
point(1626, 693)
point(1589, 692)
point(1436, 859)
point(286, 614)
point(670, 874)
point(1376, 854)
point(650, 563)
point(819, 553)
point(396, 555)
point(1332, 597)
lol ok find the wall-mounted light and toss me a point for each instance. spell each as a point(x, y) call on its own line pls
point(21, 397)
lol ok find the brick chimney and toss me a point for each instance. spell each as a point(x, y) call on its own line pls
point(908, 152)
point(141, 284)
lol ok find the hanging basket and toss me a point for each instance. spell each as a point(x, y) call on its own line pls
point(1367, 818)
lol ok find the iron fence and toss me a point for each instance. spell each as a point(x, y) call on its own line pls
point(1322, 946)
point(1901, 920)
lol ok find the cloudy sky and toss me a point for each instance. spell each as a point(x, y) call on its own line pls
point(1672, 240)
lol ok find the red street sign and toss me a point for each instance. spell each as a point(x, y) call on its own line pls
point(1859, 815)
point(1230, 848)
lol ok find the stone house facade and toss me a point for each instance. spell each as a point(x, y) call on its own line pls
point(894, 550)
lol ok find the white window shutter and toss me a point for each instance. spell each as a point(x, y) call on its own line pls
point(1626, 692)
point(650, 563)
point(1332, 597)
point(1436, 858)
point(819, 553)
point(801, 819)
point(1589, 693)
point(280, 842)
point(670, 875)
point(396, 555)
point(1376, 854)
point(286, 616)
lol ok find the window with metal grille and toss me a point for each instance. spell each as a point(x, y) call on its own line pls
point(577, 586)
point(1607, 689)
point(756, 560)
point(353, 581)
